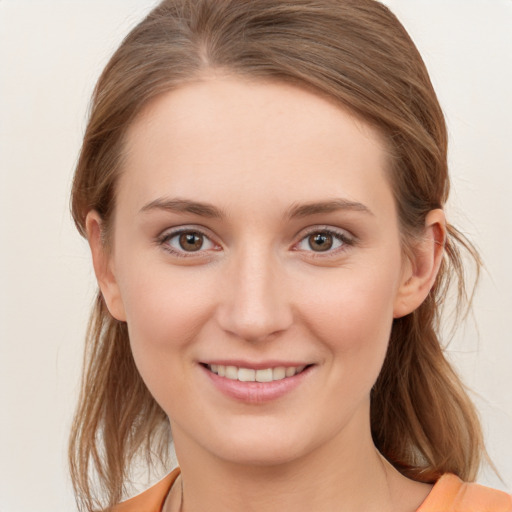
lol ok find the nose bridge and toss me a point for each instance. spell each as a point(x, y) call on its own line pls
point(255, 304)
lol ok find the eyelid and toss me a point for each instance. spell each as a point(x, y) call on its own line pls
point(347, 239)
point(170, 233)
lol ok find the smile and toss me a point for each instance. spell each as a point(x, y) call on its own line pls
point(252, 375)
point(256, 385)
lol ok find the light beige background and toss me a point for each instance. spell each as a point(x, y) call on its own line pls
point(51, 52)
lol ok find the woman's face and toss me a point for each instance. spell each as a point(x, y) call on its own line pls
point(256, 239)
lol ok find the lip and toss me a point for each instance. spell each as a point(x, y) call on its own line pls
point(261, 365)
point(256, 392)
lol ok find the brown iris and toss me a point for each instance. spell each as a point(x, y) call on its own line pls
point(320, 241)
point(191, 241)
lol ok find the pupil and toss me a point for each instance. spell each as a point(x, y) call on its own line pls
point(320, 242)
point(191, 241)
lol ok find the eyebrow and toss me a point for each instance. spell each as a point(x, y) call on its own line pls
point(333, 205)
point(295, 211)
point(184, 206)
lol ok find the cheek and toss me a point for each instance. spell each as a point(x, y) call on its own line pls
point(352, 315)
point(165, 311)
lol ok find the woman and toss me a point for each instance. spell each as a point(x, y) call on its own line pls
point(262, 186)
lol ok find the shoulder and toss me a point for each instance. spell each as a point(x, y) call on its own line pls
point(151, 500)
point(451, 494)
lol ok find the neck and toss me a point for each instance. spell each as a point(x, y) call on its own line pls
point(346, 473)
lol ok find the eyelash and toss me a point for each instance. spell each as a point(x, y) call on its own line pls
point(346, 241)
point(164, 239)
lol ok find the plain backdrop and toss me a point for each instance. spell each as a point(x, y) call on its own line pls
point(51, 53)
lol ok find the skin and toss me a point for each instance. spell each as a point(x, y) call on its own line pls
point(257, 290)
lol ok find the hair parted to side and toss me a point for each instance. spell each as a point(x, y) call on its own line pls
point(357, 53)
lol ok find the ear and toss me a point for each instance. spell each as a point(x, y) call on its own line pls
point(420, 271)
point(103, 266)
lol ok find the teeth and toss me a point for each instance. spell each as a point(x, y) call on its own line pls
point(264, 375)
point(245, 375)
point(290, 372)
point(232, 372)
point(279, 373)
point(251, 375)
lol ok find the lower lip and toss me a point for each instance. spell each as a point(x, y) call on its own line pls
point(257, 392)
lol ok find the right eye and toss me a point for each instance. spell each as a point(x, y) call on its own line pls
point(186, 241)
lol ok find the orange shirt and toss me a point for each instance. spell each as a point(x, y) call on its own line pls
point(449, 494)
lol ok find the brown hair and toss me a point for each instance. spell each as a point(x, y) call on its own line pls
point(357, 53)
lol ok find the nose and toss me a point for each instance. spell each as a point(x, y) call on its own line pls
point(253, 303)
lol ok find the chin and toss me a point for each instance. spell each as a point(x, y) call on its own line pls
point(261, 455)
point(263, 448)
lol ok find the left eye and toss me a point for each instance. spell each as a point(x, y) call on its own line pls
point(188, 241)
point(322, 241)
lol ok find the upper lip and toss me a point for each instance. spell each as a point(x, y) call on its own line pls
point(256, 365)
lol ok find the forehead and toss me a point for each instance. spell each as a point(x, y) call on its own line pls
point(266, 139)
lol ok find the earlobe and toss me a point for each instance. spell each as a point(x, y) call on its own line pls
point(103, 267)
point(424, 263)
